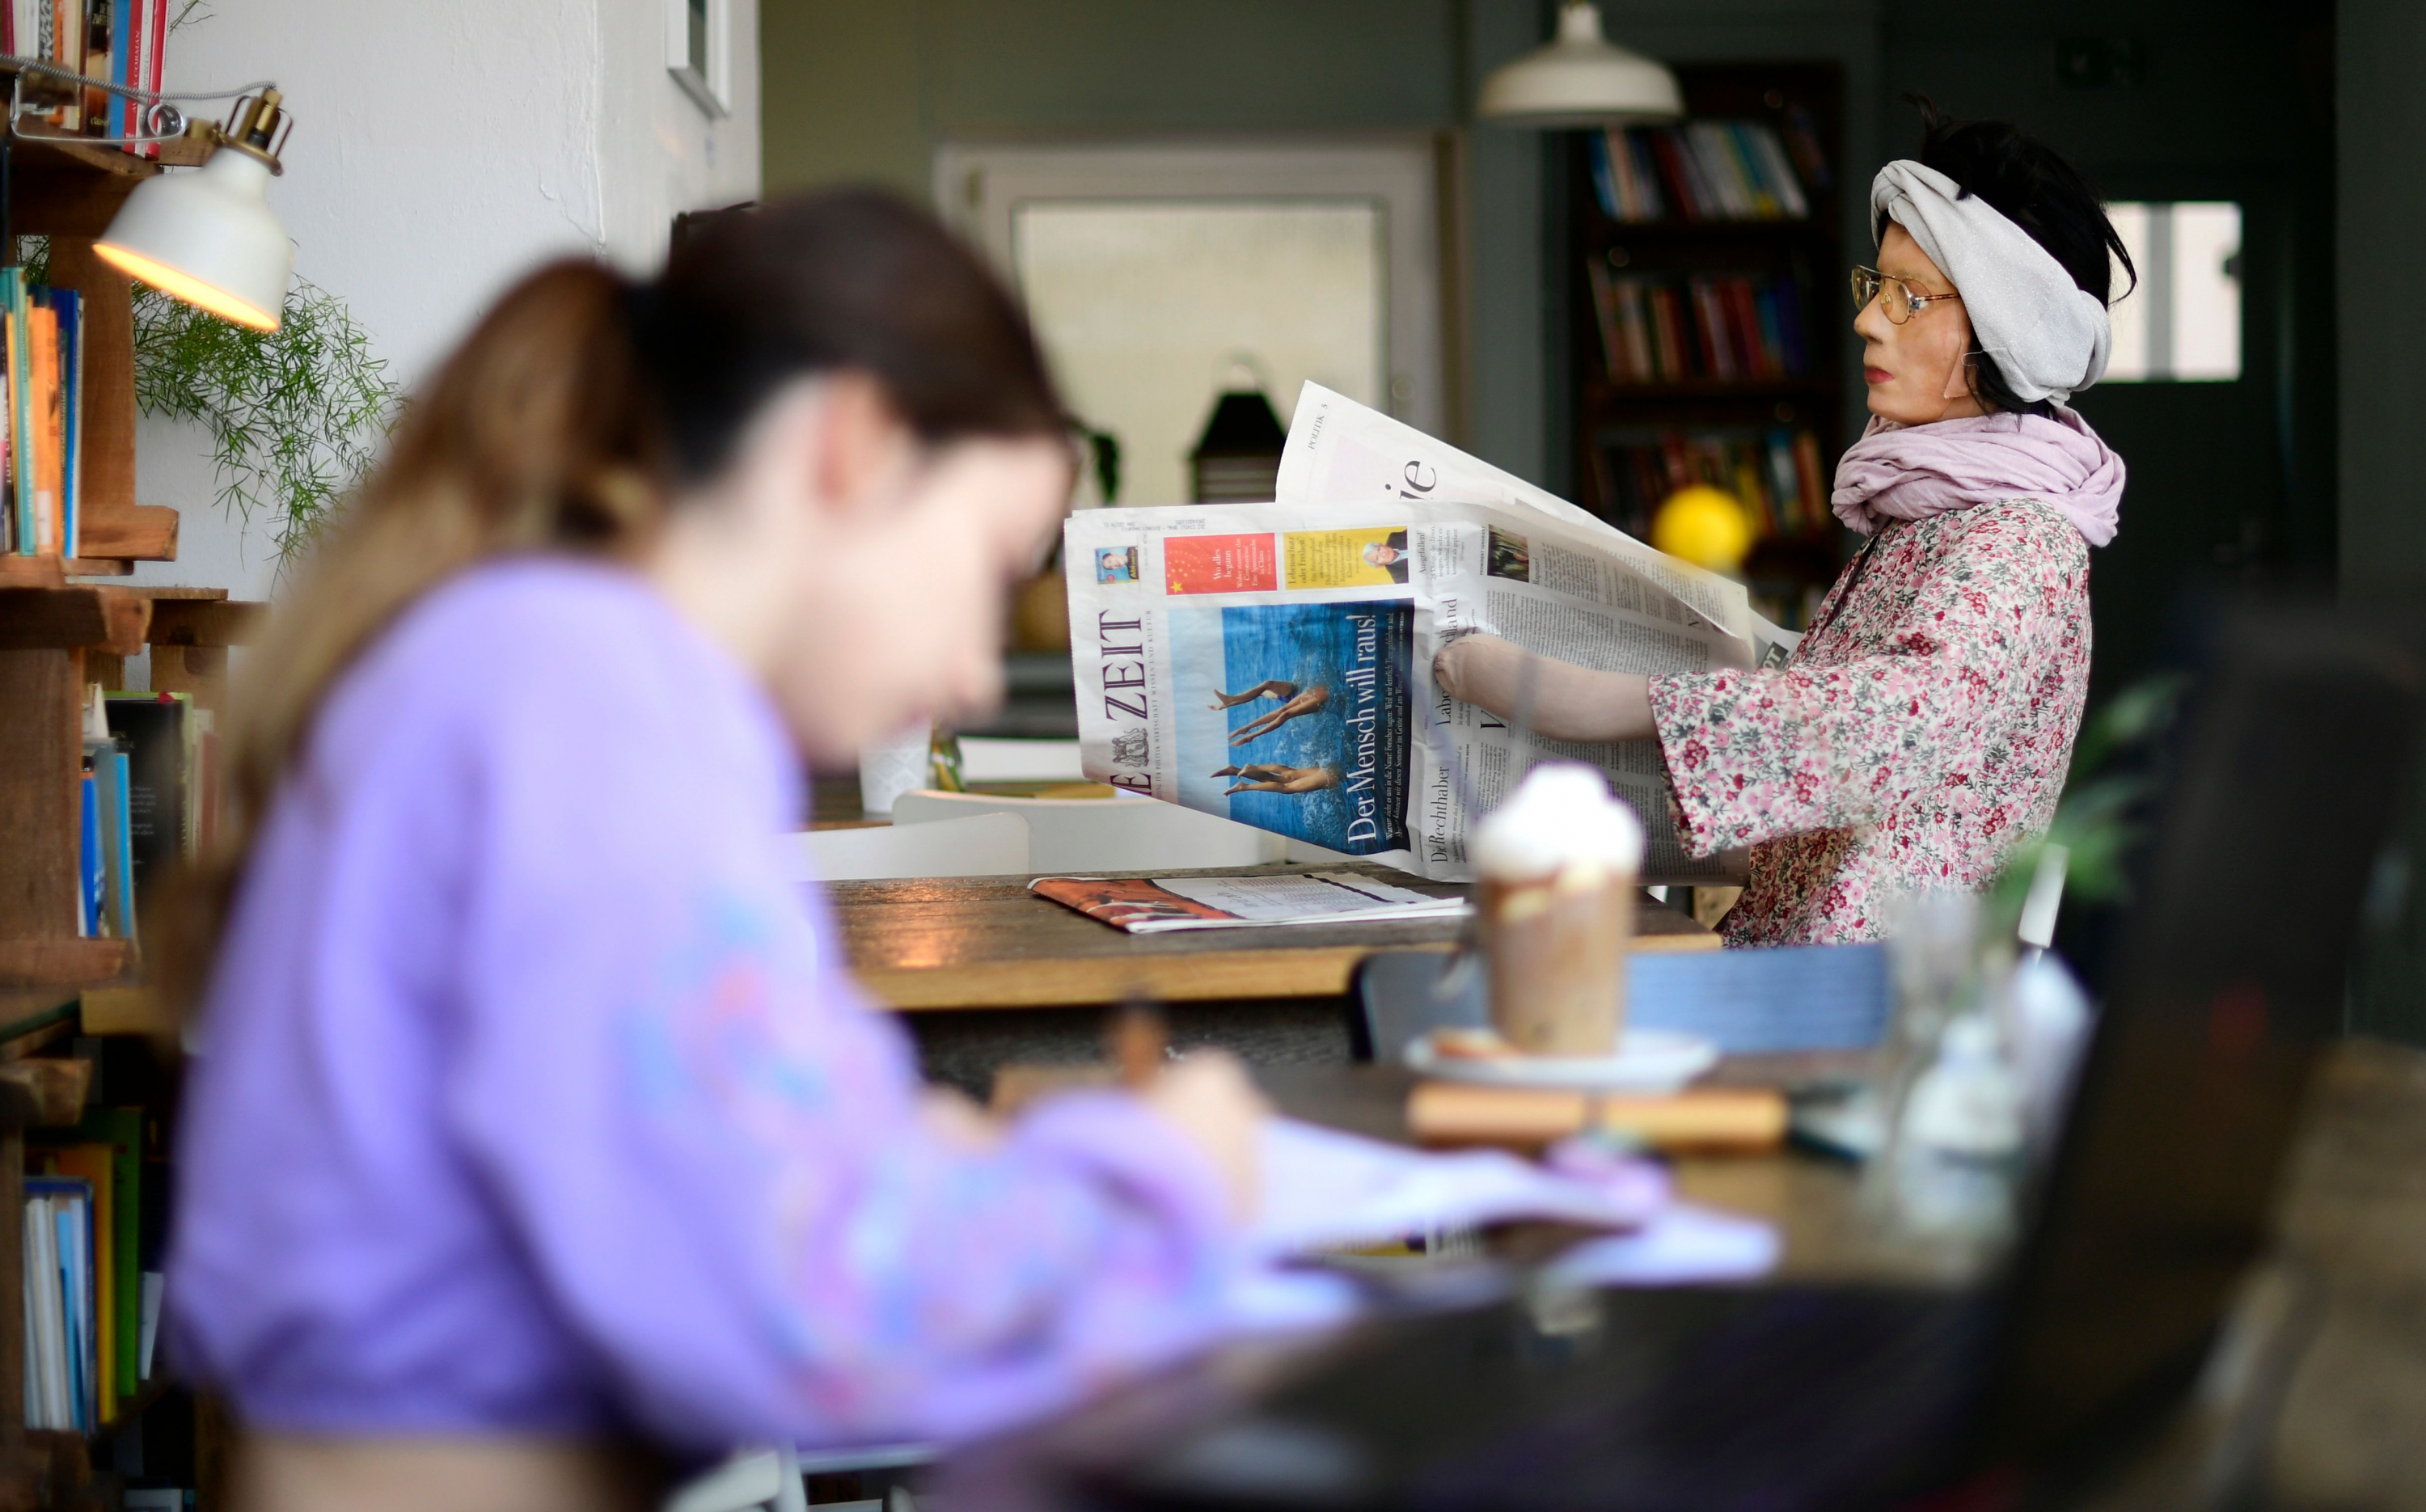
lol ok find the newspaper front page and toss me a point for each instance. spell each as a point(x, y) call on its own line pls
point(1271, 664)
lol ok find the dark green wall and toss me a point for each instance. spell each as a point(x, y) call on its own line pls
point(2382, 221)
point(861, 91)
point(2229, 484)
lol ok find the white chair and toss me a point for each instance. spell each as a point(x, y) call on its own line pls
point(1117, 834)
point(976, 843)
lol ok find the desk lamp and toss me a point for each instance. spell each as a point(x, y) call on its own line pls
point(1580, 79)
point(208, 237)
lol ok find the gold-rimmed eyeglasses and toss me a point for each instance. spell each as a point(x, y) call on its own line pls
point(1893, 294)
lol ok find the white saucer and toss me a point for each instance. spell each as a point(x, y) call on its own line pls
point(1647, 1060)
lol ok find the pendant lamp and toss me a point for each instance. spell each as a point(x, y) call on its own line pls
point(209, 237)
point(1580, 79)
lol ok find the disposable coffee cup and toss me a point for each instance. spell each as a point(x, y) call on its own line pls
point(889, 769)
point(1555, 868)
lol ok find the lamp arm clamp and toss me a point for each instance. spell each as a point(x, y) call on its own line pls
point(258, 132)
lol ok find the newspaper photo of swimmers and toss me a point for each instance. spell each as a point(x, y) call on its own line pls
point(1314, 736)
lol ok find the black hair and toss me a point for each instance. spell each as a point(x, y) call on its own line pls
point(2035, 189)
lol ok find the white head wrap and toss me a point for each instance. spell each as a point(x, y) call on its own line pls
point(2050, 336)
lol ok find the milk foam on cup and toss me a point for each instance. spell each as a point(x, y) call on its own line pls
point(1554, 900)
point(1562, 814)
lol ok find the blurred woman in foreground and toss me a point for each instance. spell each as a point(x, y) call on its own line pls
point(535, 1113)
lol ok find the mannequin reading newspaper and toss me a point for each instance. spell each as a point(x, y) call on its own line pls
point(1920, 729)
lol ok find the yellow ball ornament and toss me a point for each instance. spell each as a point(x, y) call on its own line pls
point(1703, 525)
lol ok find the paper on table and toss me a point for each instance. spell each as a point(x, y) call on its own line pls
point(1313, 897)
point(1144, 905)
point(1322, 1188)
point(1682, 1244)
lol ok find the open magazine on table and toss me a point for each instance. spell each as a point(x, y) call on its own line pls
point(1271, 664)
point(1154, 905)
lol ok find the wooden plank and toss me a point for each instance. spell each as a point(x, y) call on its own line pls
point(198, 670)
point(127, 1010)
point(66, 618)
point(62, 959)
point(51, 619)
point(40, 756)
point(105, 435)
point(51, 572)
point(206, 621)
point(932, 944)
point(32, 572)
point(55, 1088)
point(65, 204)
point(140, 532)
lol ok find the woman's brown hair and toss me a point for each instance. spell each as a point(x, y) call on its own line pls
point(581, 407)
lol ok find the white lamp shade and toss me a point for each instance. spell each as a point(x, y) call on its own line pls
point(208, 237)
point(1579, 80)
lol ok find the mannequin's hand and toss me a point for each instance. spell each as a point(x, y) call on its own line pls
point(1567, 703)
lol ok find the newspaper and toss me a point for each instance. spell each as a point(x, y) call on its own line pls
point(1271, 664)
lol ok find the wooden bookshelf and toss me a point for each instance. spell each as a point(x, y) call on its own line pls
point(1784, 569)
point(64, 629)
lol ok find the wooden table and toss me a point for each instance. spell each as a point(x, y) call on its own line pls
point(960, 943)
point(2326, 1406)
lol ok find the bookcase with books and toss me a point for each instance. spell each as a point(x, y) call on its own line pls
point(101, 790)
point(1704, 259)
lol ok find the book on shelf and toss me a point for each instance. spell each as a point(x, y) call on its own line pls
point(108, 866)
point(105, 1150)
point(1775, 473)
point(119, 41)
point(62, 1359)
point(1702, 171)
point(41, 483)
point(162, 734)
point(1703, 326)
point(92, 873)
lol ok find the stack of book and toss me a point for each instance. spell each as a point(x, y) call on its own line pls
point(119, 41)
point(92, 1290)
point(150, 800)
point(1708, 170)
point(1727, 327)
point(1775, 473)
point(41, 404)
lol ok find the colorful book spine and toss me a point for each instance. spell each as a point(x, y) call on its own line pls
point(1604, 175)
point(20, 414)
point(70, 305)
point(123, 69)
point(155, 40)
point(1705, 170)
point(91, 869)
point(50, 424)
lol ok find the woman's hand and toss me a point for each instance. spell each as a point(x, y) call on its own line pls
point(1563, 702)
point(1209, 1098)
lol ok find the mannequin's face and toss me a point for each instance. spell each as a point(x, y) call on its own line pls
point(1915, 371)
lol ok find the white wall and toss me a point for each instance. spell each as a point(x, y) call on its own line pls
point(440, 148)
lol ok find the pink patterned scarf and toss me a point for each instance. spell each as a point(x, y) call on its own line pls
point(1913, 472)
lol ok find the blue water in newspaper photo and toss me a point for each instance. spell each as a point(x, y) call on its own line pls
point(1313, 738)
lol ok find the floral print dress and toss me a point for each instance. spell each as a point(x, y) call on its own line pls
point(1921, 729)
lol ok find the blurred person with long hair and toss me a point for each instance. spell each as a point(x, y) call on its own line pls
point(534, 1117)
point(1924, 726)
